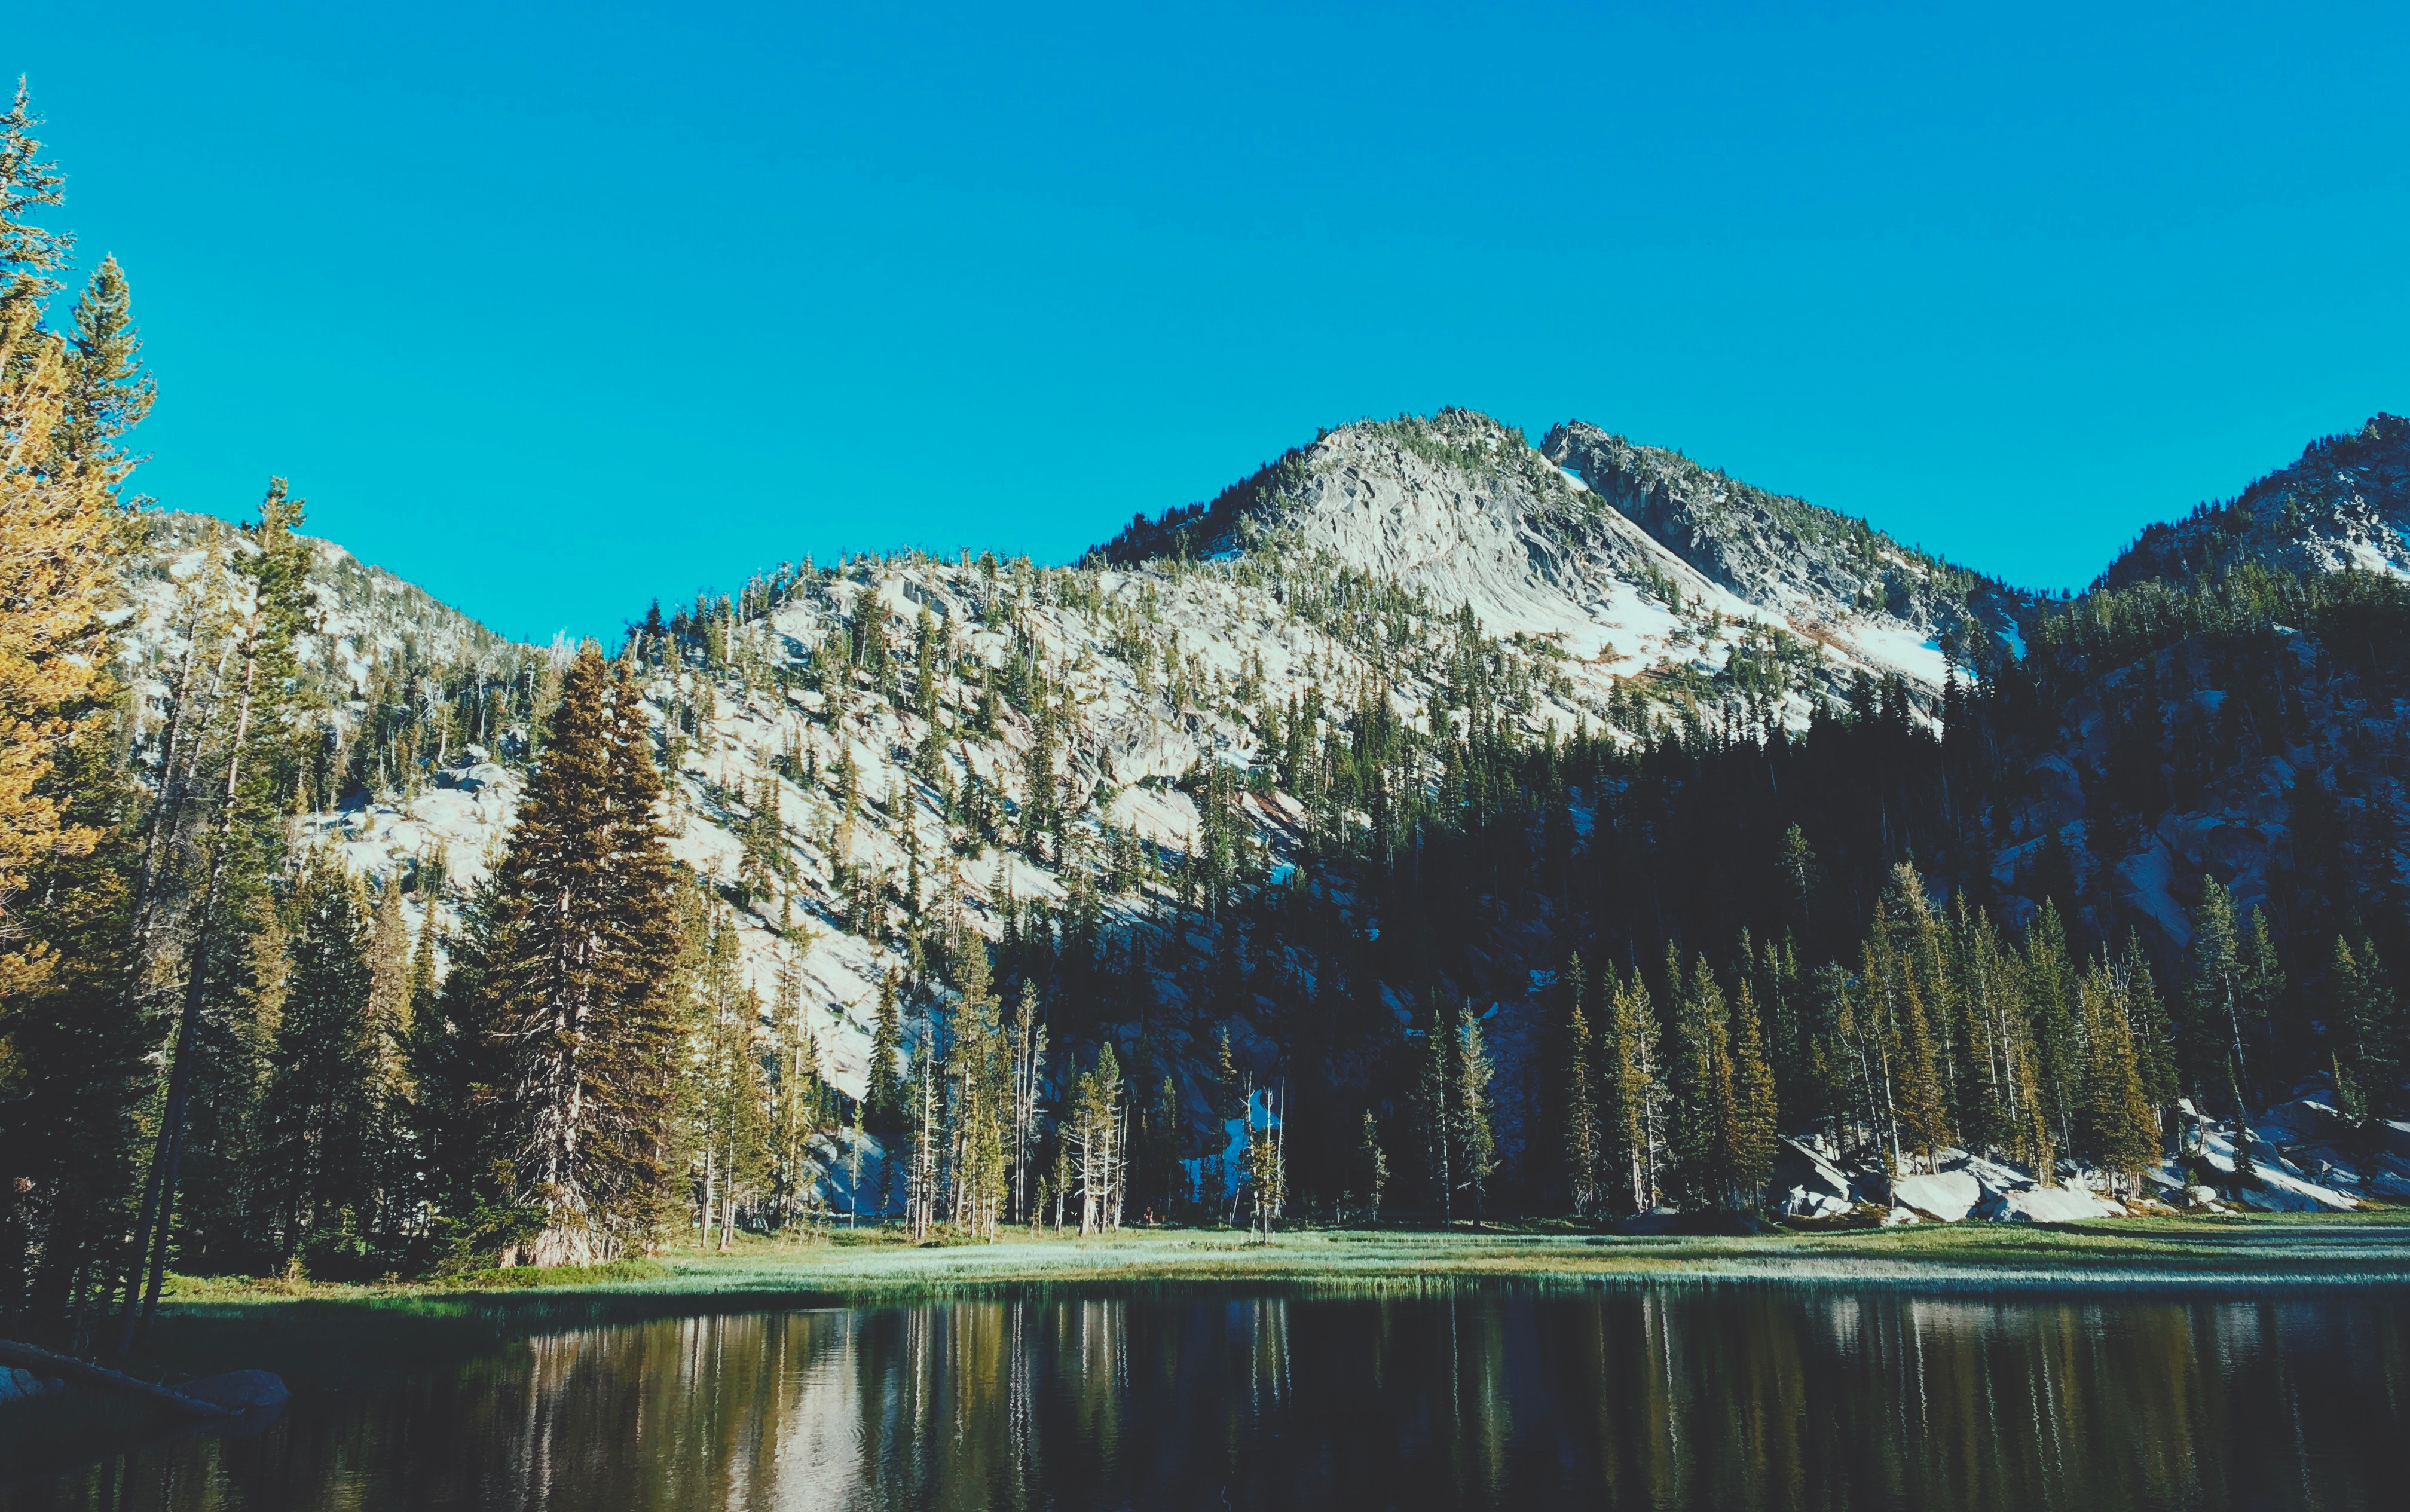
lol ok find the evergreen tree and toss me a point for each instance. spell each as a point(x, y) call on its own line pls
point(1700, 1083)
point(1756, 1119)
point(322, 1105)
point(800, 1107)
point(882, 1082)
point(1578, 1116)
point(1026, 1052)
point(108, 390)
point(1093, 1138)
point(1435, 1095)
point(1474, 1156)
point(2370, 1043)
point(722, 1094)
point(459, 1067)
point(585, 897)
point(208, 844)
point(1371, 1175)
point(72, 1037)
point(2119, 1132)
point(2057, 1030)
point(2219, 1001)
point(1633, 1096)
point(978, 1065)
point(391, 1002)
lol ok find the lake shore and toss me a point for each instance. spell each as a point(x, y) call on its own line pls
point(323, 1336)
point(869, 1266)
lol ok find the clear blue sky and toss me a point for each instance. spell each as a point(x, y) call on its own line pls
point(555, 310)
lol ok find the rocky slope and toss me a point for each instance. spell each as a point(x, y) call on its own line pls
point(2344, 504)
point(365, 613)
point(1631, 559)
point(1786, 555)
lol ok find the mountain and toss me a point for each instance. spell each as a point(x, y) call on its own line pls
point(366, 614)
point(1636, 562)
point(1334, 704)
point(2344, 504)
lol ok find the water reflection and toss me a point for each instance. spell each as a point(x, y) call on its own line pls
point(1669, 1398)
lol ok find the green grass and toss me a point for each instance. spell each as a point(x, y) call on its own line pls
point(877, 1266)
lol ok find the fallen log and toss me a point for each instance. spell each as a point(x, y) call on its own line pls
point(70, 1368)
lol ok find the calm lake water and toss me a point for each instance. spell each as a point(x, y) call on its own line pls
point(1728, 1398)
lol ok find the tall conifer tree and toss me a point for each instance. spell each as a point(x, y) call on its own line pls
point(586, 899)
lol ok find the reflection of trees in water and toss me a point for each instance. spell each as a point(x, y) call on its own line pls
point(1735, 1397)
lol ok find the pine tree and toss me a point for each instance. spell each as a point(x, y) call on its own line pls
point(1700, 1082)
point(108, 390)
point(1756, 1119)
point(1578, 1116)
point(2369, 1040)
point(2119, 1131)
point(1267, 1158)
point(1026, 1053)
point(1226, 1111)
point(800, 1101)
point(1633, 1096)
point(1434, 1095)
point(882, 1082)
point(422, 959)
point(979, 1066)
point(1370, 1176)
point(1474, 1154)
point(458, 1069)
point(73, 1044)
point(322, 1105)
point(731, 1101)
point(2218, 1000)
point(208, 842)
point(1093, 1139)
point(585, 897)
point(58, 554)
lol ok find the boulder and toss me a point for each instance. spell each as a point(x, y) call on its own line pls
point(2393, 1136)
point(2278, 1192)
point(1947, 1195)
point(1992, 1176)
point(2050, 1204)
point(471, 771)
point(1899, 1218)
point(1801, 1166)
point(2301, 1121)
point(1802, 1204)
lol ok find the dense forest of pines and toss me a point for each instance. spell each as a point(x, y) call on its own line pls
point(221, 1051)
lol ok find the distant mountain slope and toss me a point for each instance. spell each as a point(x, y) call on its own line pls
point(365, 612)
point(2344, 504)
point(1785, 554)
point(1462, 509)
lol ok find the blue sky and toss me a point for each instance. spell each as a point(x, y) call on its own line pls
point(555, 310)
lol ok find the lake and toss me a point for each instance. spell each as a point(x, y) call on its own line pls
point(1739, 1397)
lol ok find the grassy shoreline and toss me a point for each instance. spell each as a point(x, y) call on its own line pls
point(870, 1268)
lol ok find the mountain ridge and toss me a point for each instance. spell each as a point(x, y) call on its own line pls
point(2344, 503)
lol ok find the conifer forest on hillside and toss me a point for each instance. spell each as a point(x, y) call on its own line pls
point(1433, 829)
